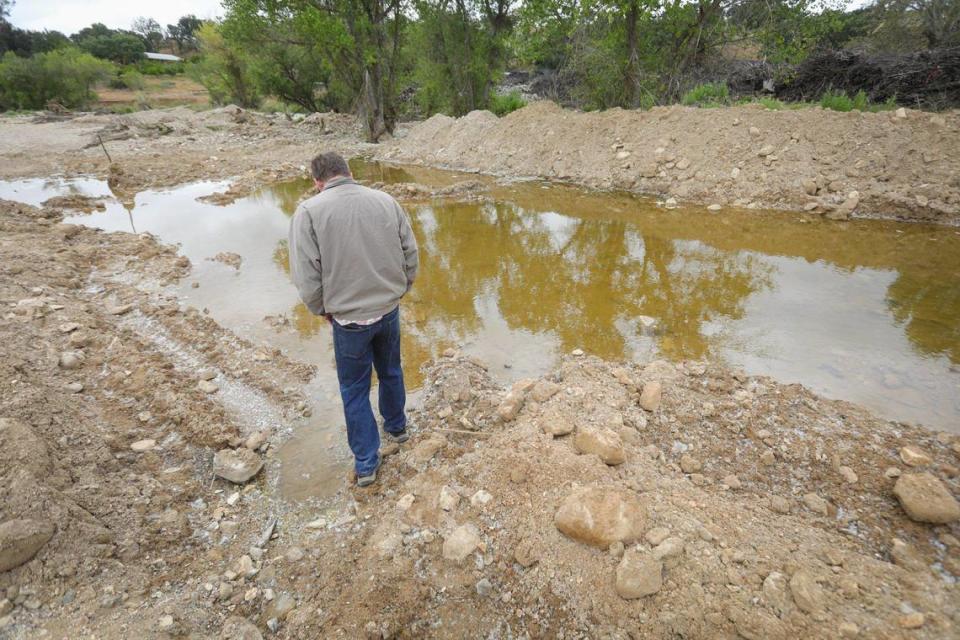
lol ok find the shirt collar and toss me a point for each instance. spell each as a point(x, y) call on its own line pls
point(336, 182)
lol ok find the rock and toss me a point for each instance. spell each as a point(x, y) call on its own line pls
point(5, 607)
point(556, 423)
point(656, 535)
point(461, 542)
point(806, 593)
point(256, 440)
point(423, 453)
point(775, 593)
point(21, 539)
point(848, 630)
point(900, 113)
point(638, 575)
point(926, 499)
point(119, 310)
point(768, 458)
point(244, 567)
point(669, 552)
point(816, 504)
point(650, 397)
point(236, 465)
point(810, 187)
point(484, 588)
point(166, 624)
point(143, 445)
point(207, 374)
point(603, 442)
point(70, 360)
point(294, 554)
point(616, 549)
point(513, 401)
point(598, 516)
point(623, 155)
point(913, 620)
point(481, 498)
point(237, 628)
point(732, 481)
point(544, 390)
point(904, 555)
point(714, 207)
point(914, 456)
point(779, 504)
point(280, 607)
point(388, 449)
point(405, 502)
point(849, 475)
point(449, 499)
point(757, 624)
point(208, 386)
point(892, 472)
point(526, 553)
point(766, 150)
point(689, 464)
point(74, 387)
point(754, 132)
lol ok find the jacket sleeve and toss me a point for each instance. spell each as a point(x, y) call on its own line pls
point(305, 265)
point(408, 242)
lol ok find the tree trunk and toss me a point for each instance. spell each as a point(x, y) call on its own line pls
point(631, 73)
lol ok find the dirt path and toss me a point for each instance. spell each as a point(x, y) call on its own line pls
point(894, 164)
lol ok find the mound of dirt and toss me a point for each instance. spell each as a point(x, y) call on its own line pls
point(891, 164)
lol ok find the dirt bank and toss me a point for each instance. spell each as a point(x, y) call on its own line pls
point(899, 164)
point(583, 504)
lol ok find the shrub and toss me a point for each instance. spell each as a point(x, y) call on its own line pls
point(710, 94)
point(132, 80)
point(66, 76)
point(771, 103)
point(502, 104)
point(836, 101)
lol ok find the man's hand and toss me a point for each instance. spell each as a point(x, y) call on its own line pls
point(329, 317)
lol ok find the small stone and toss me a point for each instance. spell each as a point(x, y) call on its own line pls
point(650, 397)
point(766, 150)
point(913, 620)
point(577, 352)
point(461, 542)
point(5, 607)
point(544, 390)
point(74, 387)
point(481, 498)
point(806, 592)
point(68, 327)
point(21, 539)
point(926, 499)
point(656, 535)
point(914, 456)
point(904, 555)
point(244, 567)
point(405, 502)
point(714, 207)
point(70, 360)
point(669, 552)
point(294, 554)
point(236, 465)
point(849, 475)
point(119, 310)
point(901, 113)
point(810, 187)
point(602, 442)
point(143, 445)
point(484, 588)
point(449, 499)
point(768, 458)
point(848, 630)
point(779, 504)
point(389, 449)
point(616, 549)
point(638, 575)
point(754, 132)
point(280, 607)
point(526, 553)
point(256, 440)
point(237, 628)
point(208, 386)
point(892, 472)
point(449, 353)
point(599, 516)
point(732, 481)
point(816, 504)
point(689, 464)
point(166, 623)
point(775, 593)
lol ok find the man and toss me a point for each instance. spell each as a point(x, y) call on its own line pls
point(352, 257)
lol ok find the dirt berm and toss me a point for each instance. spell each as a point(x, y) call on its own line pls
point(901, 164)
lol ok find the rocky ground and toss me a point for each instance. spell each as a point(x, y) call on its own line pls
point(138, 484)
point(900, 164)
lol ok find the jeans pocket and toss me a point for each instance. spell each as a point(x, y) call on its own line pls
point(350, 343)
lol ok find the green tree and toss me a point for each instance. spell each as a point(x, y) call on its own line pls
point(151, 32)
point(65, 76)
point(224, 69)
point(185, 33)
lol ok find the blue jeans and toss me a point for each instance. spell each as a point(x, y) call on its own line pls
point(357, 349)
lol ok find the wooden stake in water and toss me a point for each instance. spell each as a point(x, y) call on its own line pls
point(100, 140)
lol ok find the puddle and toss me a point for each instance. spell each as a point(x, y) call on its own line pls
point(862, 311)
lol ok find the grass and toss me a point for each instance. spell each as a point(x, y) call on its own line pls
point(836, 101)
point(502, 104)
point(709, 95)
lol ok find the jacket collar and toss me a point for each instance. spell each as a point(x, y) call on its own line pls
point(336, 182)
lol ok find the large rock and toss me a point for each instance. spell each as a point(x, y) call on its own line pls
point(21, 539)
point(544, 390)
point(806, 593)
point(461, 542)
point(650, 397)
point(925, 499)
point(236, 465)
point(512, 402)
point(638, 575)
point(602, 442)
point(599, 517)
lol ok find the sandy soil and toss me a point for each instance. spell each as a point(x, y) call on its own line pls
point(894, 164)
point(604, 500)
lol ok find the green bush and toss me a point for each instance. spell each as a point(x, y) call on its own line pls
point(154, 68)
point(65, 76)
point(710, 94)
point(771, 103)
point(132, 80)
point(841, 102)
point(836, 101)
point(502, 104)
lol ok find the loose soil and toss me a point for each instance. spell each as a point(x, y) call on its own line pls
point(900, 164)
point(770, 510)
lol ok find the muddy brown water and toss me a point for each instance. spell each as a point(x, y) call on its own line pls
point(864, 311)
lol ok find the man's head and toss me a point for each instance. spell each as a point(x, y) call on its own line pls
point(328, 166)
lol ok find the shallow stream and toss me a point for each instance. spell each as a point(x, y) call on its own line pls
point(864, 311)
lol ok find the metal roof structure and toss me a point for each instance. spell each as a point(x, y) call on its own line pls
point(164, 57)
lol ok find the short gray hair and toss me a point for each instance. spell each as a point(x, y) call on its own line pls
point(328, 165)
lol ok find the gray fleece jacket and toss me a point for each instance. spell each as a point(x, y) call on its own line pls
point(352, 251)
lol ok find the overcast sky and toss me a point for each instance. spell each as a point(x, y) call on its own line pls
point(69, 16)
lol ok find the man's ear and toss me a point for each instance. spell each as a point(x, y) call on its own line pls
point(318, 184)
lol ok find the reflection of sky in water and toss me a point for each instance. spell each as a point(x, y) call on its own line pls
point(518, 284)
